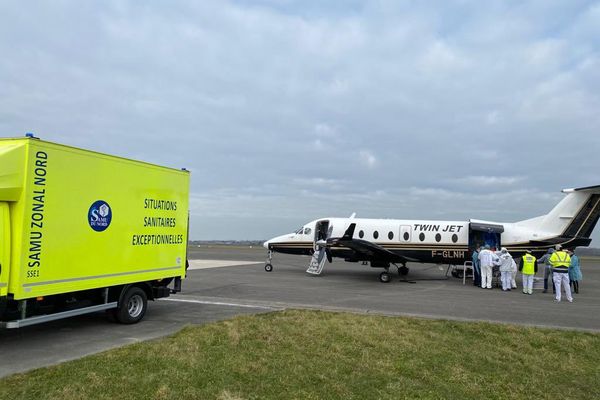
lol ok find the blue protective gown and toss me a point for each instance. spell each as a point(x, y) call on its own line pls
point(574, 270)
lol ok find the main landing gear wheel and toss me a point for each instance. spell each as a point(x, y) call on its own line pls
point(456, 273)
point(385, 277)
point(268, 267)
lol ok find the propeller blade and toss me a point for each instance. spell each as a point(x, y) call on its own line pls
point(328, 254)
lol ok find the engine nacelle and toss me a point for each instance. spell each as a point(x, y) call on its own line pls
point(380, 264)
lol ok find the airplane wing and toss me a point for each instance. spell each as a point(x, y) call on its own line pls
point(371, 250)
point(367, 249)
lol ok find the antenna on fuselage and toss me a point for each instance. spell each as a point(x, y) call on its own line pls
point(353, 215)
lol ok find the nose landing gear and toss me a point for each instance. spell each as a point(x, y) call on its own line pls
point(268, 265)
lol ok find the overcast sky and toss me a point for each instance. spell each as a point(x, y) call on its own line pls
point(287, 111)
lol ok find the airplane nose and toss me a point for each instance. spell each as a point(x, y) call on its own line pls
point(266, 245)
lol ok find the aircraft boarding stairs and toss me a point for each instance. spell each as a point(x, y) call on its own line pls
point(317, 262)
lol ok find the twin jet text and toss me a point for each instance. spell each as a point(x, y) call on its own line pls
point(437, 228)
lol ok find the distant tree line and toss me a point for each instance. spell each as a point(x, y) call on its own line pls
point(226, 242)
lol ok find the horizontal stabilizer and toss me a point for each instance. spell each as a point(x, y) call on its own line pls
point(589, 189)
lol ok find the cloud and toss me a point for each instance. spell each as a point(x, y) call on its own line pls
point(368, 159)
point(324, 130)
point(490, 181)
point(284, 110)
point(320, 182)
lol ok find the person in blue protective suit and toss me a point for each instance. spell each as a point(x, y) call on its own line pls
point(574, 271)
point(476, 267)
point(491, 239)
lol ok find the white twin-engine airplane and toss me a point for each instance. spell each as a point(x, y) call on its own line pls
point(386, 242)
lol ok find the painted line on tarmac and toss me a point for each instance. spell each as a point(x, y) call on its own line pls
point(207, 264)
point(280, 306)
point(219, 303)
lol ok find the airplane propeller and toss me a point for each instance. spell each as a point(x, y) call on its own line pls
point(324, 244)
point(328, 242)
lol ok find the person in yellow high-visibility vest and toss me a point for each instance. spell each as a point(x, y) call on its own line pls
point(528, 267)
point(560, 262)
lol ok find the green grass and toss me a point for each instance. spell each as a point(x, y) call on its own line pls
point(321, 355)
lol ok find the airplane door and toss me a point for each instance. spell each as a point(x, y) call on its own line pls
point(4, 248)
point(481, 234)
point(405, 233)
point(321, 230)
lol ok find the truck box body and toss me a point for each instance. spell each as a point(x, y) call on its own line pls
point(73, 220)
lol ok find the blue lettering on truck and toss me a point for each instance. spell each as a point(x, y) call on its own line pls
point(36, 221)
point(99, 216)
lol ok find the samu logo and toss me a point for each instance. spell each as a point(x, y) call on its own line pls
point(99, 216)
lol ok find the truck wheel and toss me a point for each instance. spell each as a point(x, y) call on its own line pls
point(133, 306)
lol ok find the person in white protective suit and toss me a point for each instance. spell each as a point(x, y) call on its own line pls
point(513, 274)
point(487, 259)
point(506, 268)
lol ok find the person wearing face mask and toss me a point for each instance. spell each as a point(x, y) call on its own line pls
point(506, 263)
point(487, 261)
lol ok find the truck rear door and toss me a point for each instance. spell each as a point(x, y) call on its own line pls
point(4, 248)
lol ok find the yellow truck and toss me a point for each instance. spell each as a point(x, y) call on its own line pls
point(82, 231)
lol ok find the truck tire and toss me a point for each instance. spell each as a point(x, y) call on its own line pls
point(132, 307)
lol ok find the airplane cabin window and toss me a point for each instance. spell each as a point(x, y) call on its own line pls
point(438, 237)
point(391, 235)
point(454, 238)
point(421, 236)
point(375, 234)
point(406, 236)
point(307, 231)
point(361, 234)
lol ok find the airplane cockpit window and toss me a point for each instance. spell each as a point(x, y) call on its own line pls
point(307, 231)
point(299, 231)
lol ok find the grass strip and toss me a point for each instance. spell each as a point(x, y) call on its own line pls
point(322, 355)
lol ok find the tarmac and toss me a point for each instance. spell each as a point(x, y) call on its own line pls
point(224, 282)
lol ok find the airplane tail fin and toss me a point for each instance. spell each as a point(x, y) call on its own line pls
point(574, 217)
